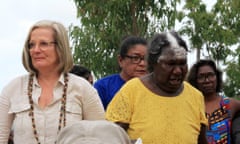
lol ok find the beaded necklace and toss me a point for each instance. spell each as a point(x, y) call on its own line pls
point(62, 116)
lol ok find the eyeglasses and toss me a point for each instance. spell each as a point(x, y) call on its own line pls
point(42, 45)
point(210, 76)
point(135, 59)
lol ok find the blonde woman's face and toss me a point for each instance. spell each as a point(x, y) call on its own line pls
point(42, 48)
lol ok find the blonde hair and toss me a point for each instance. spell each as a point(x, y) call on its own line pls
point(62, 46)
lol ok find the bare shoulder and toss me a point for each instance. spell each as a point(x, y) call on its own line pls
point(234, 105)
point(235, 102)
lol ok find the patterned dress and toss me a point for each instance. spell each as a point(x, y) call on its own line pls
point(219, 121)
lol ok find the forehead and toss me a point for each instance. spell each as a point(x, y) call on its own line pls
point(170, 53)
point(42, 32)
point(205, 69)
point(138, 49)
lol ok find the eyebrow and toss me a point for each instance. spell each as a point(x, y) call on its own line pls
point(136, 54)
point(203, 73)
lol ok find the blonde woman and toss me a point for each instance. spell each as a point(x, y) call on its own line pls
point(38, 105)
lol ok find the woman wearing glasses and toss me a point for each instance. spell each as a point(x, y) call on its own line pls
point(220, 110)
point(38, 105)
point(131, 60)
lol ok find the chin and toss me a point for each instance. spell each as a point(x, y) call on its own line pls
point(140, 74)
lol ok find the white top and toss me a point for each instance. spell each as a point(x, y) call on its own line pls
point(83, 103)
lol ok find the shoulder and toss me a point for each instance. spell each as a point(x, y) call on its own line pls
point(192, 93)
point(15, 88)
point(17, 82)
point(235, 105)
point(190, 88)
point(76, 79)
point(233, 102)
point(133, 83)
point(77, 82)
point(108, 79)
point(134, 80)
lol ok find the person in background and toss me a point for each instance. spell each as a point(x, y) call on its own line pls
point(220, 109)
point(39, 104)
point(82, 72)
point(131, 60)
point(93, 132)
point(161, 107)
point(236, 129)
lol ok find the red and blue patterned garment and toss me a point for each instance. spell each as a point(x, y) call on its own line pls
point(219, 124)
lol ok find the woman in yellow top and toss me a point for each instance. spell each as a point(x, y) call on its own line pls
point(160, 107)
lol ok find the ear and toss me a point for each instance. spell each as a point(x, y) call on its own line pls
point(120, 60)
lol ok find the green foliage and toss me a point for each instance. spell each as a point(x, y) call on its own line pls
point(228, 15)
point(104, 23)
point(232, 84)
point(210, 30)
point(215, 32)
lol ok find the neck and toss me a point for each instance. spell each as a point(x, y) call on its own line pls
point(48, 76)
point(124, 76)
point(165, 91)
point(210, 97)
point(48, 80)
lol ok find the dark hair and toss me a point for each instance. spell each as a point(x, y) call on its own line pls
point(80, 71)
point(192, 76)
point(158, 43)
point(128, 42)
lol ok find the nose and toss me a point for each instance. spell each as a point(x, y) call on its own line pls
point(177, 69)
point(206, 78)
point(142, 62)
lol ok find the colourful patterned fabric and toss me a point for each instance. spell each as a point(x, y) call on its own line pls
point(220, 124)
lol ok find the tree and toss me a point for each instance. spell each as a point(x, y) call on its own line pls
point(207, 31)
point(216, 31)
point(228, 15)
point(232, 84)
point(105, 22)
point(213, 33)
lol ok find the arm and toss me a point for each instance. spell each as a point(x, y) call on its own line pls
point(92, 105)
point(202, 136)
point(235, 106)
point(101, 92)
point(125, 126)
point(6, 119)
point(236, 129)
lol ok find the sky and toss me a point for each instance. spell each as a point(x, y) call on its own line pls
point(16, 19)
point(17, 16)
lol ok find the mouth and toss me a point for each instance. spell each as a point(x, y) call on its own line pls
point(38, 58)
point(176, 80)
point(142, 71)
point(207, 88)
